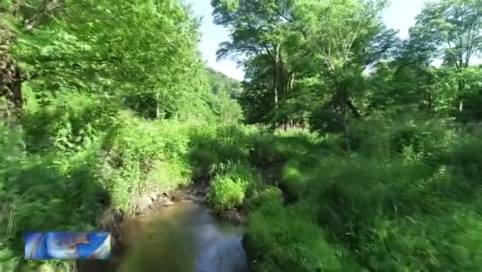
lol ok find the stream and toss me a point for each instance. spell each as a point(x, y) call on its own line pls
point(183, 237)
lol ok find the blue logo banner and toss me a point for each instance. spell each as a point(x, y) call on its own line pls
point(67, 245)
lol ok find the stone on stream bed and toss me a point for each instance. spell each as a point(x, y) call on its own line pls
point(151, 201)
point(143, 203)
point(234, 216)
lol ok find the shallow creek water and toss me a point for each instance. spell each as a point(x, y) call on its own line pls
point(183, 237)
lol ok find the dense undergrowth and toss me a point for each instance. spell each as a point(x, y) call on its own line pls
point(406, 198)
point(119, 102)
point(68, 162)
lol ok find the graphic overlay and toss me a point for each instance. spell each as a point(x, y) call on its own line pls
point(67, 245)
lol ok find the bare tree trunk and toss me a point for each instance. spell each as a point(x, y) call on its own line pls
point(461, 101)
point(344, 121)
point(276, 76)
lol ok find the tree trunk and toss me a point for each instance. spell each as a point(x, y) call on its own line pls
point(343, 104)
point(461, 89)
point(353, 109)
point(276, 76)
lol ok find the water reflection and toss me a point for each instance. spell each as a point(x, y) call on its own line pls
point(183, 238)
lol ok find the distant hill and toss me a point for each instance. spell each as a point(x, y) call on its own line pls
point(224, 85)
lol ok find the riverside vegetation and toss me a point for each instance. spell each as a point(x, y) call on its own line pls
point(346, 146)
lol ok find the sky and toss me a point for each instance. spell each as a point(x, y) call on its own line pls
point(400, 16)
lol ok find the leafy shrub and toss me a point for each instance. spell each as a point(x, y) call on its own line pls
point(396, 205)
point(229, 188)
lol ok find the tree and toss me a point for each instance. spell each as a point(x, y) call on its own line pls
point(450, 29)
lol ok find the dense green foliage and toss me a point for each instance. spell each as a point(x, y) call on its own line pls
point(119, 102)
point(116, 93)
point(392, 184)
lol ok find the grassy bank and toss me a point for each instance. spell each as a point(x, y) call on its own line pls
point(68, 162)
point(408, 199)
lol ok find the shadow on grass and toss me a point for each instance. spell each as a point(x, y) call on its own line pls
point(49, 194)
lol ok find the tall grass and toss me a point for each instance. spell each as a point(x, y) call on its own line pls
point(406, 198)
point(70, 160)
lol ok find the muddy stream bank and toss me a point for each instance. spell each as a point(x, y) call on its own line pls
point(180, 236)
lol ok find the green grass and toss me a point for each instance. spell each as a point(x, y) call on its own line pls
point(71, 161)
point(405, 201)
point(406, 198)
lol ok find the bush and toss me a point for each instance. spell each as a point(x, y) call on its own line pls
point(407, 200)
point(213, 148)
point(228, 189)
point(60, 174)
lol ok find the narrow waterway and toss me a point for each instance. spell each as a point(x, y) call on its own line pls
point(183, 237)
